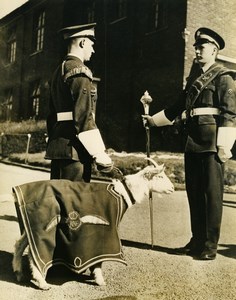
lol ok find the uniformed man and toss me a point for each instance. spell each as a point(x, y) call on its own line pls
point(74, 140)
point(209, 102)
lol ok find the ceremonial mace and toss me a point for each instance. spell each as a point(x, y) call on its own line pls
point(146, 99)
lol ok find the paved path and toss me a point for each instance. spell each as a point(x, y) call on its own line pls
point(150, 273)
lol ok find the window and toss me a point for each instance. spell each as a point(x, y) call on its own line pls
point(39, 27)
point(119, 9)
point(35, 100)
point(122, 8)
point(156, 15)
point(6, 106)
point(11, 47)
point(9, 105)
point(91, 12)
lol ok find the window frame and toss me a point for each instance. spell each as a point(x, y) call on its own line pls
point(34, 100)
point(11, 47)
point(91, 12)
point(158, 18)
point(7, 106)
point(39, 31)
point(119, 10)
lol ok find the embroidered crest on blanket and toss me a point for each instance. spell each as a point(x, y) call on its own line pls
point(70, 223)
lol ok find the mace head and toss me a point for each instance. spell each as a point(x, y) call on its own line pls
point(146, 98)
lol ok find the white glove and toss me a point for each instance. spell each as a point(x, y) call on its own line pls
point(225, 140)
point(103, 159)
point(148, 121)
point(159, 119)
point(224, 154)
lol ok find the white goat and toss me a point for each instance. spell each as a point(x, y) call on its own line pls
point(139, 185)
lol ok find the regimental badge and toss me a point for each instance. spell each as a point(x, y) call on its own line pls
point(73, 220)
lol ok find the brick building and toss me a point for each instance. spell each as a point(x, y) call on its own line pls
point(141, 45)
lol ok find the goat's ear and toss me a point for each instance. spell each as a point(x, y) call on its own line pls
point(161, 167)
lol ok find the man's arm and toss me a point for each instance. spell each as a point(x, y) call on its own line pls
point(227, 127)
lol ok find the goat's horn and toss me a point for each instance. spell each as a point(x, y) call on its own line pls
point(153, 162)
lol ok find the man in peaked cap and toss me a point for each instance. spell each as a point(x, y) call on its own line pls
point(82, 31)
point(205, 35)
point(74, 139)
point(209, 104)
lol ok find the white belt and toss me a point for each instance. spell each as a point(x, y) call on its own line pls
point(65, 116)
point(204, 111)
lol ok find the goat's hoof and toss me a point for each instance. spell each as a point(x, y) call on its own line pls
point(41, 285)
point(100, 281)
point(98, 278)
point(19, 276)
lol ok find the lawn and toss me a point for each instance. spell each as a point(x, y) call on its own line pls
point(130, 163)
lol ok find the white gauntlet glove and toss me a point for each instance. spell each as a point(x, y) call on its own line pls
point(93, 143)
point(159, 119)
point(224, 154)
point(103, 159)
point(225, 141)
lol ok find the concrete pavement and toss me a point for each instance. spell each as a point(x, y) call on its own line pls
point(150, 274)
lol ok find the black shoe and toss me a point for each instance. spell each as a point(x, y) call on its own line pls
point(191, 249)
point(207, 254)
point(182, 251)
point(186, 251)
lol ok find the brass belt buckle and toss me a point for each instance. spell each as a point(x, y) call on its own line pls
point(191, 113)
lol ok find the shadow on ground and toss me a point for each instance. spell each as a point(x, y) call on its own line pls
point(228, 251)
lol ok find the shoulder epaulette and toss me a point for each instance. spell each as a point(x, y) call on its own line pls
point(78, 71)
point(226, 71)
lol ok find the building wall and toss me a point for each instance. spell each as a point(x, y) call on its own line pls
point(136, 60)
point(11, 73)
point(39, 65)
point(218, 15)
point(29, 65)
point(129, 59)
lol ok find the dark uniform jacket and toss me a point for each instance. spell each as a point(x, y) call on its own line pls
point(219, 93)
point(70, 89)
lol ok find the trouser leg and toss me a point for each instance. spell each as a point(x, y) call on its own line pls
point(214, 188)
point(196, 199)
point(71, 170)
point(204, 186)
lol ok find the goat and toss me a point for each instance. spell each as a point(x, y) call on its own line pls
point(132, 188)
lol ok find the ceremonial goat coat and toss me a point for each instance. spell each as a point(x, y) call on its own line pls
point(70, 223)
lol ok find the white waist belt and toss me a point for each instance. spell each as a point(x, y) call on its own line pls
point(204, 111)
point(64, 116)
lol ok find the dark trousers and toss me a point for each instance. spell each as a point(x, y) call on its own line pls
point(204, 175)
point(71, 170)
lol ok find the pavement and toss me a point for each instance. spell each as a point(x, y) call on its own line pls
point(151, 272)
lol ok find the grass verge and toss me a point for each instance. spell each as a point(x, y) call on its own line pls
point(130, 163)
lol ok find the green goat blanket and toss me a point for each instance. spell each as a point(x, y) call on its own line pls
point(70, 223)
